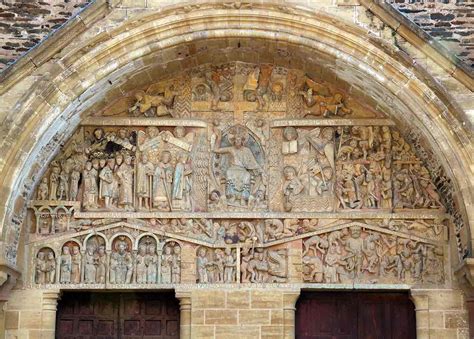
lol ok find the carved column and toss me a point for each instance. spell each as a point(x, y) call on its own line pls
point(421, 301)
point(184, 298)
point(289, 310)
point(48, 316)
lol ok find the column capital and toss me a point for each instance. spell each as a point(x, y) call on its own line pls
point(420, 298)
point(50, 300)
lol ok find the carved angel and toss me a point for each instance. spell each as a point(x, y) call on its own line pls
point(144, 103)
point(327, 105)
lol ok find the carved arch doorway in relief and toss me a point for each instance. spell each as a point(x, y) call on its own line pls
point(355, 315)
point(88, 315)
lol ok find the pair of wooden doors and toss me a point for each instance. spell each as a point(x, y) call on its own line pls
point(341, 315)
point(117, 316)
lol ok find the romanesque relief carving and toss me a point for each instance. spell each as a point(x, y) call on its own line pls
point(121, 261)
point(357, 254)
point(238, 167)
point(364, 167)
point(45, 266)
point(156, 101)
point(264, 85)
point(321, 102)
point(236, 173)
point(309, 171)
point(94, 261)
point(259, 265)
point(171, 263)
point(214, 85)
point(413, 187)
point(216, 265)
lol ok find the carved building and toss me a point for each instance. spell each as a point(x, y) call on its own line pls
point(238, 154)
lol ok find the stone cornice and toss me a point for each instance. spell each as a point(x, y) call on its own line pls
point(417, 37)
point(58, 39)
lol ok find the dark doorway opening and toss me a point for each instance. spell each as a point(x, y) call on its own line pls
point(87, 315)
point(355, 315)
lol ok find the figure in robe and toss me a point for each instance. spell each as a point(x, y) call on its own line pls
point(162, 180)
point(144, 178)
point(65, 266)
point(107, 183)
point(90, 175)
point(244, 173)
point(151, 262)
point(76, 260)
point(166, 265)
point(182, 184)
point(125, 177)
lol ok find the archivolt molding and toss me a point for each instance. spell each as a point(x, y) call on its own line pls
point(78, 80)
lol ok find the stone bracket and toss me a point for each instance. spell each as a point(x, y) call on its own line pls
point(8, 280)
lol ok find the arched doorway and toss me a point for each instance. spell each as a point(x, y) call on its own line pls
point(139, 315)
point(355, 315)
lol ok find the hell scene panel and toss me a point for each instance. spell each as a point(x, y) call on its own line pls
point(237, 174)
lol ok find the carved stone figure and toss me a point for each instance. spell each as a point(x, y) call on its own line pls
point(43, 190)
point(74, 184)
point(145, 103)
point(229, 266)
point(151, 261)
point(54, 182)
point(125, 181)
point(220, 85)
point(243, 175)
point(50, 276)
point(76, 263)
point(101, 261)
point(91, 190)
point(121, 264)
point(202, 264)
point(141, 265)
point(63, 187)
point(176, 265)
point(182, 184)
point(90, 265)
point(326, 105)
point(162, 183)
point(166, 265)
point(65, 266)
point(40, 268)
point(292, 186)
point(145, 172)
point(107, 183)
point(264, 265)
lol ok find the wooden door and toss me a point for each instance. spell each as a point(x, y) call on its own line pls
point(117, 316)
point(341, 315)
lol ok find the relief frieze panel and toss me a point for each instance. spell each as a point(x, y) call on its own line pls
point(236, 174)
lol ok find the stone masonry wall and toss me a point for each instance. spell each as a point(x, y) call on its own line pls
point(242, 313)
point(24, 23)
point(449, 21)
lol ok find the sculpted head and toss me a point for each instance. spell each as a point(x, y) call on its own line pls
point(98, 133)
point(289, 172)
point(165, 157)
point(179, 132)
